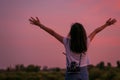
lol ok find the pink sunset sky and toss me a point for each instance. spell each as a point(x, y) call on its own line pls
point(23, 43)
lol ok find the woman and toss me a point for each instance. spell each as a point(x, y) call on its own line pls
point(76, 46)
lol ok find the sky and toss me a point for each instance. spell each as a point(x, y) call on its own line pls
point(23, 43)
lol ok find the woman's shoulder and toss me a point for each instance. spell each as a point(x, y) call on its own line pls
point(88, 41)
point(65, 40)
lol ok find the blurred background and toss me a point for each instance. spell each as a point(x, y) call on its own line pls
point(23, 43)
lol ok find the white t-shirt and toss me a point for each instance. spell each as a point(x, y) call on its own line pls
point(71, 56)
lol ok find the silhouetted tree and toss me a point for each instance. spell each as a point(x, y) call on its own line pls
point(32, 68)
point(8, 69)
point(22, 68)
point(45, 68)
point(101, 65)
point(37, 68)
point(118, 64)
point(57, 69)
point(109, 64)
point(17, 67)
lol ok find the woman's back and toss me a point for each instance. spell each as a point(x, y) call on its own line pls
point(72, 56)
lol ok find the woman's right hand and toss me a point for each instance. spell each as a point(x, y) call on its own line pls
point(110, 22)
point(35, 21)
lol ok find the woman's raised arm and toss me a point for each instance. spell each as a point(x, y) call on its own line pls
point(108, 23)
point(35, 21)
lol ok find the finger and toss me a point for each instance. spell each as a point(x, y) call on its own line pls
point(114, 21)
point(33, 23)
point(37, 19)
point(30, 20)
point(33, 19)
point(108, 19)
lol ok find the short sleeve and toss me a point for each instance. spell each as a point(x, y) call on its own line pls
point(88, 41)
point(64, 40)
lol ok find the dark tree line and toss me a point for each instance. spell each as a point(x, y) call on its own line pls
point(21, 67)
point(36, 68)
point(101, 65)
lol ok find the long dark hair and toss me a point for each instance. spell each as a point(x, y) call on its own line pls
point(78, 38)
